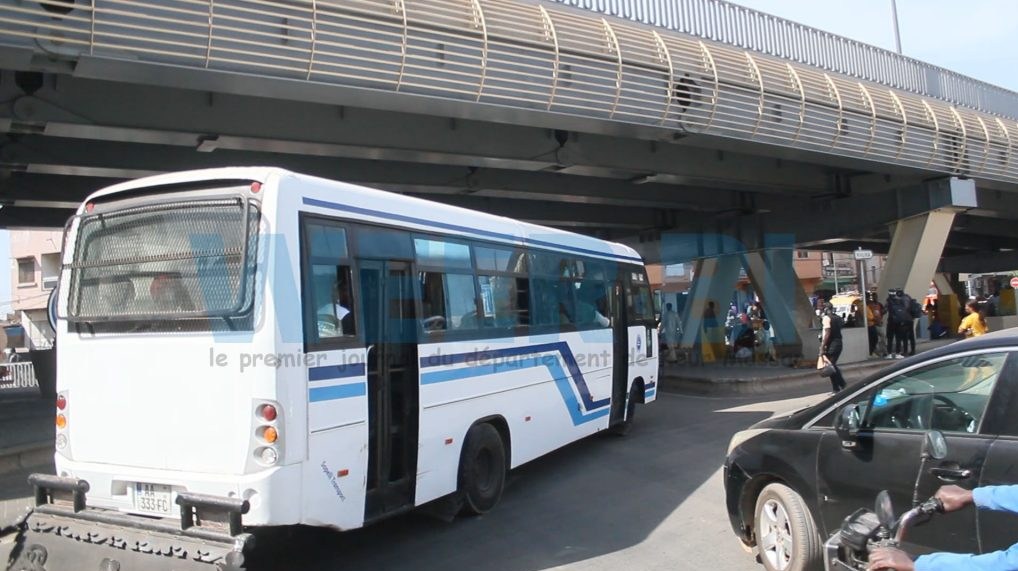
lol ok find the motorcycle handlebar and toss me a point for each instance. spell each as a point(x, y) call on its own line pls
point(929, 507)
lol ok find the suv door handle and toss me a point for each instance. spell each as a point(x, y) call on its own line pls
point(951, 474)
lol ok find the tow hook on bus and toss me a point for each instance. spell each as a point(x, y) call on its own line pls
point(63, 534)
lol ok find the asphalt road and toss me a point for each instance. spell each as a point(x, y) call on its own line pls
point(650, 500)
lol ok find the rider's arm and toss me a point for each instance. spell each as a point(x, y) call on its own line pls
point(997, 498)
point(996, 561)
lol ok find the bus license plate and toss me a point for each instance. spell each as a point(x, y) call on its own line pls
point(153, 498)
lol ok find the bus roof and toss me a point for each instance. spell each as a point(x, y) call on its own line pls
point(400, 208)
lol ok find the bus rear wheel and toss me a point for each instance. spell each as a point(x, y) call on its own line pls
point(482, 469)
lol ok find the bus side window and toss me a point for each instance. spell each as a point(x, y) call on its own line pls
point(448, 301)
point(501, 276)
point(448, 291)
point(329, 283)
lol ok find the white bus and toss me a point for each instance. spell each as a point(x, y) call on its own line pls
point(249, 347)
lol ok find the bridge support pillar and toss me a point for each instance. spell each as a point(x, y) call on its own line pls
point(917, 244)
point(783, 298)
point(713, 281)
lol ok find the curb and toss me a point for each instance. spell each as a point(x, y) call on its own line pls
point(25, 456)
point(795, 379)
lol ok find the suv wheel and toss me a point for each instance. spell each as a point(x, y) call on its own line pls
point(786, 535)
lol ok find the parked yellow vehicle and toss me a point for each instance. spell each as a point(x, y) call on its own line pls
point(849, 306)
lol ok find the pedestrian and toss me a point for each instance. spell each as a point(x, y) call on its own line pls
point(974, 323)
point(874, 315)
point(914, 312)
point(671, 330)
point(895, 313)
point(831, 344)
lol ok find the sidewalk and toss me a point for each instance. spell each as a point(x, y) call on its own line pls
point(722, 379)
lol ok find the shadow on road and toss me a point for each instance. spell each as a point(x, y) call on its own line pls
point(596, 497)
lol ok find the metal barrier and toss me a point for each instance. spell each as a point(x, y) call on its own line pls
point(736, 25)
point(15, 376)
point(539, 57)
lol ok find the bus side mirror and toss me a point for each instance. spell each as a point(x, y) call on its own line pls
point(846, 425)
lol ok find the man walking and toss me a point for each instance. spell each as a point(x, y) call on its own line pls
point(895, 313)
point(671, 330)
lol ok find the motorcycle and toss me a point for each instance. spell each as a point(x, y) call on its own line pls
point(849, 548)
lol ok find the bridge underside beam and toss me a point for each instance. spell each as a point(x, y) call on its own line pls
point(980, 263)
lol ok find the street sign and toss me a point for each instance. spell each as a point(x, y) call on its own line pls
point(1014, 283)
point(863, 254)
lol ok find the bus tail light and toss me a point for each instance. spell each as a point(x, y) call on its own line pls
point(270, 435)
point(267, 444)
point(268, 412)
point(268, 456)
point(61, 416)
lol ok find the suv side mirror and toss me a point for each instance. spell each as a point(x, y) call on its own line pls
point(846, 425)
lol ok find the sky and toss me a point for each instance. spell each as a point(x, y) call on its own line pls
point(978, 38)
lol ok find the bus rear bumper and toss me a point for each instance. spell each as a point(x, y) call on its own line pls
point(272, 494)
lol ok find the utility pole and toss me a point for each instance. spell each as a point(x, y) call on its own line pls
point(894, 17)
point(834, 264)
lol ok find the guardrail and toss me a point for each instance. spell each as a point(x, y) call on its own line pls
point(17, 377)
point(736, 25)
point(537, 57)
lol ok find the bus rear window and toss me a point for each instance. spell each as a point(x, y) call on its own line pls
point(180, 260)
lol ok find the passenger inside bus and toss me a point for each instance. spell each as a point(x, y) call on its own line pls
point(335, 316)
point(168, 294)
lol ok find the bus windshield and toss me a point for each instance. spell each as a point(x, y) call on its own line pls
point(168, 261)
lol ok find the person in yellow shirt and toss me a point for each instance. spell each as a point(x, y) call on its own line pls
point(974, 323)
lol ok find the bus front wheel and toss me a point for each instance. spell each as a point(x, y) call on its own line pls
point(482, 469)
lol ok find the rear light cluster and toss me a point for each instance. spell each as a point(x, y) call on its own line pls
point(267, 434)
point(61, 420)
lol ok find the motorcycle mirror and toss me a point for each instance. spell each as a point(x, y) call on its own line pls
point(846, 425)
point(934, 445)
point(885, 509)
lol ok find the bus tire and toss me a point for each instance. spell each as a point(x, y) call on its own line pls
point(623, 427)
point(482, 469)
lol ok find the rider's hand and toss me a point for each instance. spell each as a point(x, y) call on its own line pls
point(954, 497)
point(890, 558)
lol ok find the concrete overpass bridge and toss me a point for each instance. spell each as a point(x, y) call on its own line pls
point(693, 129)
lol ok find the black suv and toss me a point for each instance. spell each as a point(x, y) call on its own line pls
point(791, 480)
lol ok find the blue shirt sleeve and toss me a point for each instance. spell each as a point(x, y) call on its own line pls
point(997, 498)
point(996, 561)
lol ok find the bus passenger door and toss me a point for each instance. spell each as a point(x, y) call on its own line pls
point(620, 354)
point(390, 329)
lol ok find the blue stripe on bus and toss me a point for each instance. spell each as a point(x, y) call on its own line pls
point(484, 367)
point(334, 392)
point(465, 229)
point(328, 372)
point(649, 393)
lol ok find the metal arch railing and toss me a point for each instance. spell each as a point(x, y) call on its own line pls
point(728, 23)
point(17, 377)
point(524, 55)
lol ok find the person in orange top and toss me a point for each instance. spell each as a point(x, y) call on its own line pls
point(974, 323)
